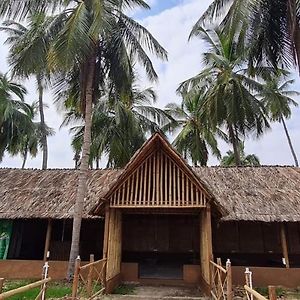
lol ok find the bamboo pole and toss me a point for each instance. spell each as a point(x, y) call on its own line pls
point(161, 202)
point(48, 238)
point(1, 284)
point(150, 180)
point(90, 276)
point(136, 186)
point(284, 245)
point(157, 179)
point(76, 278)
point(272, 292)
point(140, 198)
point(24, 288)
point(145, 182)
point(229, 291)
point(254, 293)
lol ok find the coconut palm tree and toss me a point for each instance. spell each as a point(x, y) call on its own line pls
point(15, 116)
point(246, 160)
point(99, 39)
point(277, 97)
point(29, 46)
point(119, 125)
point(195, 136)
point(32, 141)
point(229, 99)
point(273, 27)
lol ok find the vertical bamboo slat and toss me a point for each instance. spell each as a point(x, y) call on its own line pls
point(161, 195)
point(158, 182)
point(136, 181)
point(157, 179)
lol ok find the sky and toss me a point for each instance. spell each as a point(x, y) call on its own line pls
point(170, 21)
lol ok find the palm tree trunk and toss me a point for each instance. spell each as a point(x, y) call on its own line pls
point(290, 142)
point(24, 159)
point(83, 169)
point(43, 125)
point(235, 147)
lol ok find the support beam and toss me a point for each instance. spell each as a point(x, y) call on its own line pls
point(206, 253)
point(284, 244)
point(48, 238)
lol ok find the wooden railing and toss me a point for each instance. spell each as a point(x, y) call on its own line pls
point(89, 279)
point(221, 281)
point(41, 283)
point(250, 293)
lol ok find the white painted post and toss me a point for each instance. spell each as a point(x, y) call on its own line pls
point(248, 277)
point(45, 275)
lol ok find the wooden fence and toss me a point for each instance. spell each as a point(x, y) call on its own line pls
point(41, 283)
point(252, 294)
point(89, 279)
point(221, 281)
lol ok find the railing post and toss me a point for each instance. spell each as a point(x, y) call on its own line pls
point(76, 278)
point(90, 276)
point(104, 275)
point(248, 278)
point(272, 292)
point(229, 280)
point(1, 284)
point(44, 276)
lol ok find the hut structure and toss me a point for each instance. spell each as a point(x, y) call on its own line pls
point(158, 220)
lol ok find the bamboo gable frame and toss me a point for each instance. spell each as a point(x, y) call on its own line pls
point(158, 182)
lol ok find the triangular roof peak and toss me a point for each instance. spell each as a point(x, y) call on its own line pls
point(157, 176)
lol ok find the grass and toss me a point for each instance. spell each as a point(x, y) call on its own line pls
point(124, 289)
point(54, 289)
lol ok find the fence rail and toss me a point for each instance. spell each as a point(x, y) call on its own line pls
point(27, 287)
point(90, 278)
point(221, 281)
point(255, 294)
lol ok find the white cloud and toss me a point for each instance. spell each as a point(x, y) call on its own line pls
point(171, 27)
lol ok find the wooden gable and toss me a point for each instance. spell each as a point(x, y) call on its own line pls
point(157, 177)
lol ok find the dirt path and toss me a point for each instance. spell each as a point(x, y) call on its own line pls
point(160, 292)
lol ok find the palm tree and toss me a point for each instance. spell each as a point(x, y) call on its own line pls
point(15, 116)
point(195, 135)
point(276, 96)
point(246, 160)
point(273, 27)
point(119, 125)
point(98, 39)
point(31, 141)
point(229, 99)
point(29, 46)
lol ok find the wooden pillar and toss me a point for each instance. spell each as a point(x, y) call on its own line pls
point(48, 238)
point(114, 250)
point(206, 253)
point(284, 244)
point(106, 231)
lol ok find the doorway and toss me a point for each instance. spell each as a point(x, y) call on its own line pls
point(161, 244)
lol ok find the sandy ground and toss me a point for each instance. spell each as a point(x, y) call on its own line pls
point(159, 292)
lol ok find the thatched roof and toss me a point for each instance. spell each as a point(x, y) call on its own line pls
point(268, 193)
point(48, 193)
point(246, 193)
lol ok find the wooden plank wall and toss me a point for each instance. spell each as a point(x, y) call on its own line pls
point(158, 182)
point(114, 247)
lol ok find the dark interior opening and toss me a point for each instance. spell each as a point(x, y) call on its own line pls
point(28, 239)
point(29, 235)
point(91, 239)
point(161, 244)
